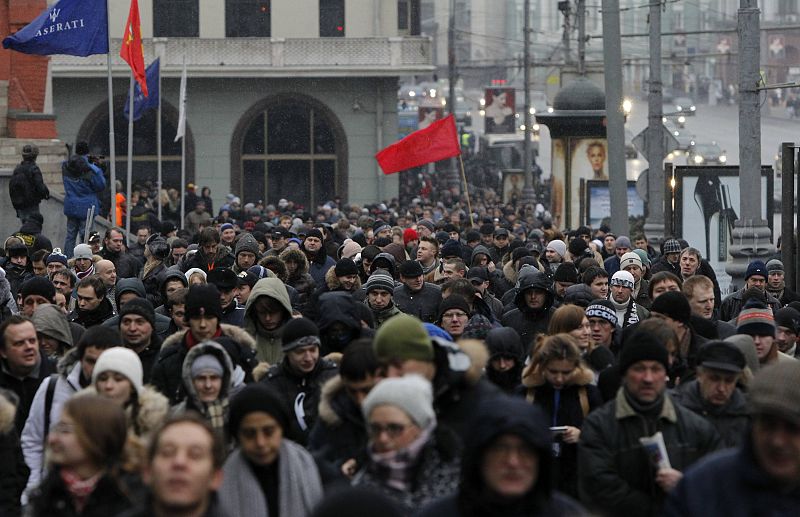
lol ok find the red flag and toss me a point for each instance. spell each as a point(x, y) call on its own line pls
point(436, 142)
point(132, 50)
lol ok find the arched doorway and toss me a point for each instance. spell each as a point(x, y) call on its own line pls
point(94, 130)
point(292, 147)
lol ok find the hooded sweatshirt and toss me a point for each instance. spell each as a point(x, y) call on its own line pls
point(50, 321)
point(268, 342)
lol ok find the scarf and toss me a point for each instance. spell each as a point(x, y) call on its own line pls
point(651, 412)
point(215, 412)
point(396, 468)
point(777, 293)
point(79, 489)
point(84, 274)
point(627, 313)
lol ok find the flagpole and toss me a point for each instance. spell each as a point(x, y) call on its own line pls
point(130, 161)
point(111, 138)
point(466, 190)
point(183, 142)
point(158, 144)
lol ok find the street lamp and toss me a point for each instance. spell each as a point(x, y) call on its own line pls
point(627, 106)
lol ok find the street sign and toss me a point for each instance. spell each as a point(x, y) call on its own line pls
point(670, 143)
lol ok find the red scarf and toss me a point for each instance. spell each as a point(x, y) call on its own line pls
point(191, 341)
point(79, 489)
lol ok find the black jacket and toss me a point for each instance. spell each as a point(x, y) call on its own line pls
point(528, 322)
point(26, 186)
point(13, 470)
point(111, 496)
point(24, 389)
point(94, 317)
point(730, 420)
point(153, 282)
point(127, 265)
point(424, 304)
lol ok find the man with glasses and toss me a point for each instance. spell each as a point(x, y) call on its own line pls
point(454, 312)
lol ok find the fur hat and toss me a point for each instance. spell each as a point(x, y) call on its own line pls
point(158, 247)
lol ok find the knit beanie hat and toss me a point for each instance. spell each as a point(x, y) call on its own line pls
point(403, 337)
point(622, 242)
point(788, 317)
point(207, 363)
point(477, 327)
point(602, 309)
point(427, 223)
point(314, 232)
point(642, 347)
point(558, 246)
point(247, 242)
point(203, 300)
point(140, 307)
point(775, 390)
point(756, 319)
point(774, 265)
point(623, 278)
point(257, 397)
point(345, 267)
point(674, 305)
point(410, 234)
point(82, 251)
point(566, 272)
point(380, 279)
point(577, 246)
point(122, 360)
point(299, 332)
point(453, 301)
point(39, 285)
point(451, 248)
point(56, 256)
point(226, 226)
point(672, 246)
point(630, 259)
point(349, 249)
point(642, 256)
point(756, 267)
point(412, 394)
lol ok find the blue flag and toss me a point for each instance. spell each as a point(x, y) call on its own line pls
point(72, 27)
point(140, 102)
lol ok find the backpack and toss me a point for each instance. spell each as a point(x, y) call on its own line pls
point(19, 187)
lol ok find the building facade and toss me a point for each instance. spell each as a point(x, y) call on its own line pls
point(285, 98)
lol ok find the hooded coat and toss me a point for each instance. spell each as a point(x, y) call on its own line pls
point(528, 322)
point(167, 374)
point(494, 418)
point(504, 342)
point(51, 321)
point(301, 280)
point(267, 342)
point(332, 284)
point(338, 307)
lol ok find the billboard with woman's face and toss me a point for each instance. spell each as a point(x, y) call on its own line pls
point(583, 159)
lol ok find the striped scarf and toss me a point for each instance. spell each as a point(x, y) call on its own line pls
point(83, 274)
point(395, 468)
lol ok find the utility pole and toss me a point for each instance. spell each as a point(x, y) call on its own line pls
point(528, 194)
point(654, 224)
point(453, 176)
point(564, 7)
point(615, 129)
point(580, 7)
point(751, 235)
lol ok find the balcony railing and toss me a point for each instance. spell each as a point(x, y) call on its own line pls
point(259, 57)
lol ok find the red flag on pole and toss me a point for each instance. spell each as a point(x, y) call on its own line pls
point(436, 142)
point(132, 50)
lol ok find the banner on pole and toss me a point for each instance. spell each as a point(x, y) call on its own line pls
point(182, 102)
point(132, 50)
point(436, 142)
point(141, 103)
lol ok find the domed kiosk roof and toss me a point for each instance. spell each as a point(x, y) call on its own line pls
point(580, 95)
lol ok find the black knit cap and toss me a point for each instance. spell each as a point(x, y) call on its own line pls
point(453, 301)
point(257, 397)
point(566, 272)
point(642, 346)
point(203, 300)
point(788, 317)
point(345, 267)
point(296, 332)
point(140, 307)
point(674, 305)
point(38, 285)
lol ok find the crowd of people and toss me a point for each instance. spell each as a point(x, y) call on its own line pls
point(351, 360)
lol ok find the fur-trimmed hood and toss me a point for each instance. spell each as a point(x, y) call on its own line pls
point(213, 349)
point(297, 256)
point(333, 283)
point(330, 390)
point(232, 331)
point(458, 364)
point(153, 409)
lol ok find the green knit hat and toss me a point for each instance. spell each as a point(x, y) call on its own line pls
point(403, 337)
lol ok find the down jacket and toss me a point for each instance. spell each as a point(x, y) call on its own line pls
point(301, 280)
point(83, 181)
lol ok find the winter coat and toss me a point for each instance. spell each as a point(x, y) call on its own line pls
point(615, 474)
point(424, 304)
point(147, 509)
point(16, 276)
point(267, 343)
point(300, 279)
point(299, 485)
point(223, 259)
point(152, 283)
point(153, 409)
point(339, 307)
point(127, 265)
point(233, 314)
point(167, 374)
point(527, 322)
point(662, 264)
point(730, 420)
point(731, 483)
point(93, 317)
point(339, 432)
point(111, 496)
point(319, 265)
point(83, 181)
point(611, 265)
point(27, 173)
point(301, 393)
point(332, 284)
point(34, 434)
point(380, 316)
point(24, 389)
point(732, 305)
point(436, 474)
point(571, 412)
point(13, 472)
point(52, 322)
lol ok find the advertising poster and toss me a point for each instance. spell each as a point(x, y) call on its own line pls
point(513, 182)
point(586, 160)
point(598, 202)
point(707, 207)
point(428, 115)
point(499, 110)
point(557, 180)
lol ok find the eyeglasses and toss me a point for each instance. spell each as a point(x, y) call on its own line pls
point(454, 315)
point(393, 430)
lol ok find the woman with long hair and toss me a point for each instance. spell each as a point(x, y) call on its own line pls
point(572, 320)
point(85, 450)
point(561, 384)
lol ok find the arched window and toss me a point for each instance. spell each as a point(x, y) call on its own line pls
point(289, 149)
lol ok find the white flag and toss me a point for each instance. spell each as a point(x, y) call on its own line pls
point(182, 101)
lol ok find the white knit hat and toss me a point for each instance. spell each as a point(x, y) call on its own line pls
point(558, 246)
point(121, 360)
point(624, 279)
point(412, 394)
